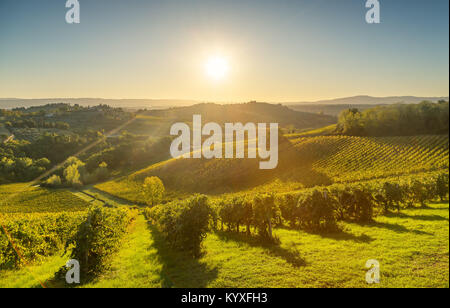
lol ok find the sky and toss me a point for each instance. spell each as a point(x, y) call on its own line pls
point(275, 50)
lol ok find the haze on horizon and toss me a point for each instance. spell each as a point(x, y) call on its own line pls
point(234, 50)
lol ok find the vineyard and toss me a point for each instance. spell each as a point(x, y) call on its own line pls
point(347, 159)
point(361, 196)
point(309, 162)
point(20, 198)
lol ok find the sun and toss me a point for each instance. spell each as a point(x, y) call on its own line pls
point(217, 68)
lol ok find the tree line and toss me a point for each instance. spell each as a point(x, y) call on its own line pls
point(396, 120)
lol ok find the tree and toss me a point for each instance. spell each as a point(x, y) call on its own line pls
point(72, 176)
point(53, 181)
point(350, 122)
point(153, 190)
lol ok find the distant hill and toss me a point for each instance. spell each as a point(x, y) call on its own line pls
point(371, 100)
point(9, 103)
point(335, 106)
point(248, 112)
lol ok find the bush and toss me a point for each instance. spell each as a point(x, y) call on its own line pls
point(288, 208)
point(53, 181)
point(442, 186)
point(35, 236)
point(226, 214)
point(99, 237)
point(362, 209)
point(236, 212)
point(184, 223)
point(264, 213)
point(344, 202)
point(316, 211)
point(393, 194)
point(420, 192)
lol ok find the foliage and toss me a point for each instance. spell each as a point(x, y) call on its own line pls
point(98, 237)
point(309, 162)
point(54, 181)
point(153, 190)
point(35, 236)
point(316, 211)
point(428, 118)
point(421, 192)
point(183, 223)
point(350, 159)
point(264, 212)
point(442, 185)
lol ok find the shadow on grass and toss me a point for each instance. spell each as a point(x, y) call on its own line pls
point(292, 257)
point(180, 269)
point(418, 217)
point(58, 281)
point(339, 235)
point(396, 228)
point(344, 236)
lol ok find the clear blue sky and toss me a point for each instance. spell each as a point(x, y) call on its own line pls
point(277, 50)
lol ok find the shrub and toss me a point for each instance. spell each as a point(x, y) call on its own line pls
point(362, 209)
point(316, 211)
point(344, 202)
point(442, 186)
point(420, 192)
point(35, 236)
point(264, 212)
point(226, 214)
point(247, 215)
point(393, 194)
point(184, 223)
point(53, 181)
point(98, 237)
point(288, 208)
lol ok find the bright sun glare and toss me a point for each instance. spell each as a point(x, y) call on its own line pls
point(217, 68)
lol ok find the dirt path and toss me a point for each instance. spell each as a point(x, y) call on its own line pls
point(98, 197)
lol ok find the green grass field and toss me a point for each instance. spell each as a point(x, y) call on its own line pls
point(412, 248)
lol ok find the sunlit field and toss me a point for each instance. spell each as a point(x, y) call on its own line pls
point(234, 146)
point(412, 248)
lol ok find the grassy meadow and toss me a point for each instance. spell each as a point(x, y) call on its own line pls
point(412, 248)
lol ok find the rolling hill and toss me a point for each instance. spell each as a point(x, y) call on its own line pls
point(334, 107)
point(371, 100)
point(253, 111)
point(303, 162)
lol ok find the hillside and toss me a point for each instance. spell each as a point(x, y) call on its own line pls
point(253, 111)
point(122, 103)
point(371, 100)
point(304, 162)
